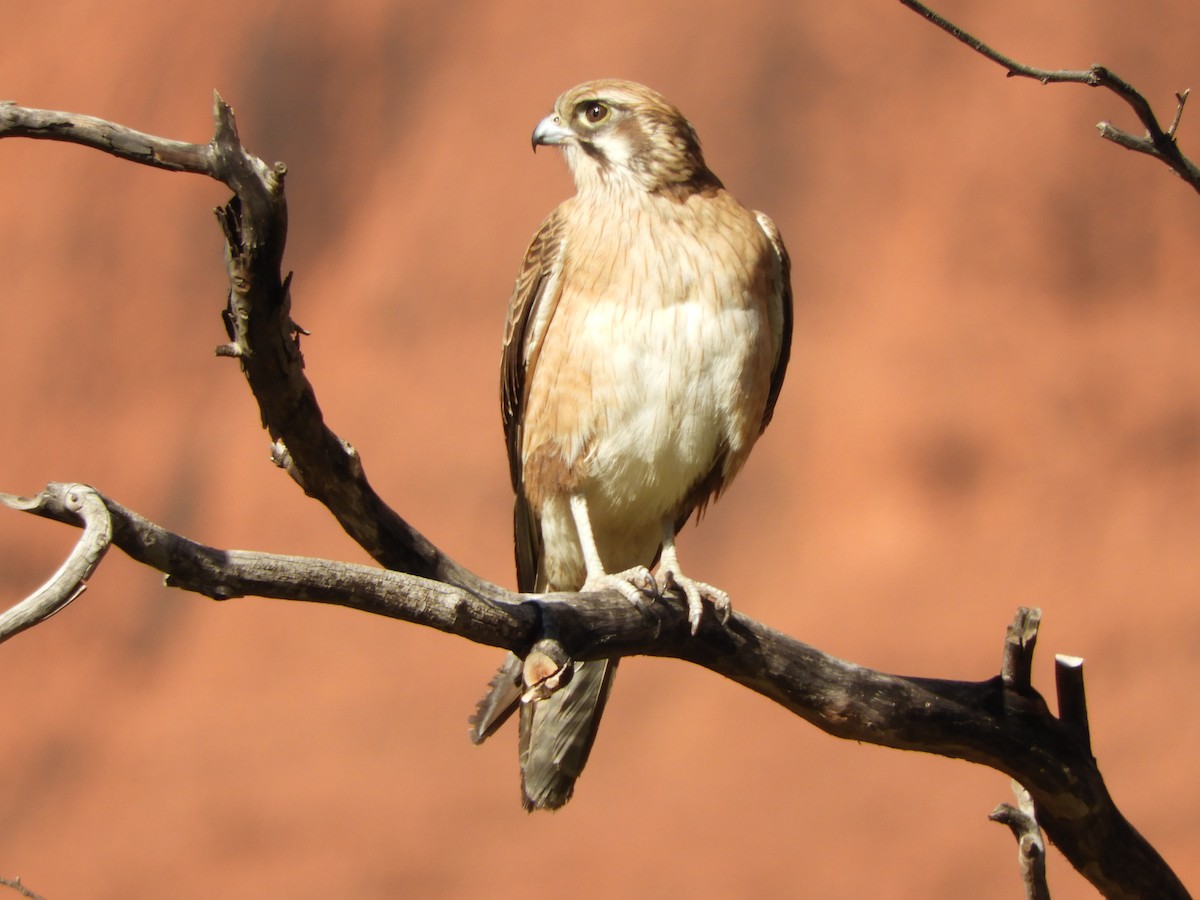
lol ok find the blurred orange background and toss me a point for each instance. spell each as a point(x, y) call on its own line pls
point(994, 400)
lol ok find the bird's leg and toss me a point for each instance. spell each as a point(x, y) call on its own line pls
point(631, 583)
point(695, 592)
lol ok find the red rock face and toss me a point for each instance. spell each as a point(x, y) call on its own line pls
point(994, 400)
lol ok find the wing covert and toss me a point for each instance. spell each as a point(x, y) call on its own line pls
point(534, 297)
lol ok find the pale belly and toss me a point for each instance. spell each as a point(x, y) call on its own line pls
point(653, 403)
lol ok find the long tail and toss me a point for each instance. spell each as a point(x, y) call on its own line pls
point(557, 734)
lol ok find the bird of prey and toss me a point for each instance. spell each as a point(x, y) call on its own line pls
point(647, 338)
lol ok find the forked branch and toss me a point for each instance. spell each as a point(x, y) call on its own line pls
point(262, 335)
point(1157, 141)
point(1001, 723)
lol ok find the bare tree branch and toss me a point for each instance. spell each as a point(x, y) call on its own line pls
point(496, 617)
point(1155, 142)
point(15, 884)
point(263, 337)
point(1031, 849)
point(996, 723)
point(1002, 723)
point(1017, 666)
point(69, 581)
point(47, 124)
point(1072, 699)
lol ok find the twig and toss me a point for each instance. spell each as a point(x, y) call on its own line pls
point(1031, 849)
point(15, 884)
point(71, 578)
point(1017, 665)
point(1156, 142)
point(1072, 698)
point(1016, 672)
point(162, 153)
point(1180, 100)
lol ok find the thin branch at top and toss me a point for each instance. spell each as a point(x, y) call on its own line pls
point(48, 124)
point(1157, 142)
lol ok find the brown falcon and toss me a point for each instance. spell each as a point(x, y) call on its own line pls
point(646, 343)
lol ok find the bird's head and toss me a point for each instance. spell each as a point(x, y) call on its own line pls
point(623, 135)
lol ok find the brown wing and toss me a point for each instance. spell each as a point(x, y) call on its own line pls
point(532, 304)
point(534, 297)
point(780, 313)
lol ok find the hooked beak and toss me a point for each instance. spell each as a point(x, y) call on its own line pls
point(550, 131)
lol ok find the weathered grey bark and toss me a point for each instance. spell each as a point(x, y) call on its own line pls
point(1001, 723)
point(1031, 849)
point(70, 580)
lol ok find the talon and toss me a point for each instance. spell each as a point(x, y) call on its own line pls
point(722, 606)
point(695, 593)
point(640, 578)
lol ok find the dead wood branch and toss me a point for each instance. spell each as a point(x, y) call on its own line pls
point(495, 617)
point(87, 507)
point(263, 337)
point(1031, 849)
point(15, 884)
point(996, 723)
point(1072, 699)
point(1157, 141)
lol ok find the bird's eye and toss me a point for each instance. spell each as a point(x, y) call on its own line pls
point(595, 111)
